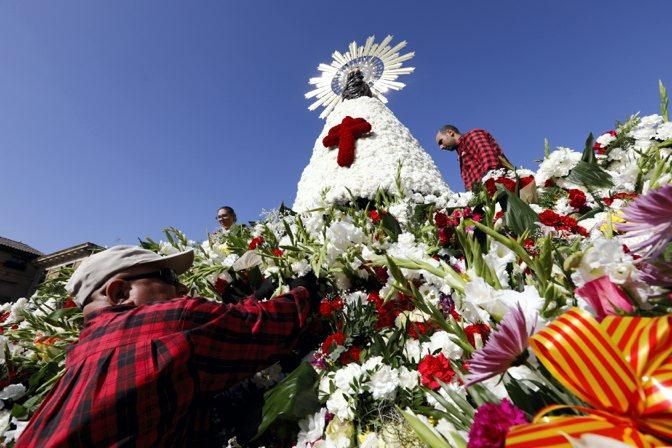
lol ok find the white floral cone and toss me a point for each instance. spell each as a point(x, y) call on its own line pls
point(377, 156)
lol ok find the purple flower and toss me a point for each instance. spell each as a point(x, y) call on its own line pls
point(492, 423)
point(650, 216)
point(506, 347)
point(657, 274)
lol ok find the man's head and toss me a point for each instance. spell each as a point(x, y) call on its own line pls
point(447, 137)
point(123, 275)
point(226, 216)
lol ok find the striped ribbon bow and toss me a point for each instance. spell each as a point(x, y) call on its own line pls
point(621, 367)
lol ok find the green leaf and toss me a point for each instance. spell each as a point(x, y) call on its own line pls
point(664, 101)
point(530, 399)
point(19, 412)
point(547, 148)
point(391, 226)
point(291, 399)
point(588, 152)
point(425, 434)
point(590, 175)
point(519, 216)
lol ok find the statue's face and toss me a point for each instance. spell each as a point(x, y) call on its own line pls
point(446, 140)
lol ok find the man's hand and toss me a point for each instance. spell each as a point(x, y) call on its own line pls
point(308, 281)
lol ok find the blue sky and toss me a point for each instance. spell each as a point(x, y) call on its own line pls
point(119, 118)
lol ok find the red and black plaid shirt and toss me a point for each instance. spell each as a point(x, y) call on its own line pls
point(478, 153)
point(142, 376)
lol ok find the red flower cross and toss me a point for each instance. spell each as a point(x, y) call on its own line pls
point(344, 135)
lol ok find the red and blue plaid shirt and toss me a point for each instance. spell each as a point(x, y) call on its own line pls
point(143, 376)
point(478, 153)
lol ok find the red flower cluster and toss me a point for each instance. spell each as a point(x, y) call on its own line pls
point(561, 223)
point(344, 135)
point(277, 252)
point(329, 307)
point(481, 329)
point(577, 198)
point(256, 242)
point(333, 341)
point(416, 329)
point(388, 311)
point(446, 223)
point(433, 369)
point(509, 184)
point(627, 196)
point(599, 149)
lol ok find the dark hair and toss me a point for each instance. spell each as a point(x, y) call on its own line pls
point(449, 127)
point(230, 210)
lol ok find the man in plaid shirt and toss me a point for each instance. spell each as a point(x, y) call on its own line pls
point(477, 152)
point(149, 360)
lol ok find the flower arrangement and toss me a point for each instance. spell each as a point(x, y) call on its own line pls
point(444, 320)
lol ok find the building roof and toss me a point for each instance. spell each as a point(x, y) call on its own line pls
point(17, 245)
point(67, 255)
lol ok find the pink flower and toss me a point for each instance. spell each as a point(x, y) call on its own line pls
point(650, 216)
point(506, 347)
point(605, 297)
point(492, 423)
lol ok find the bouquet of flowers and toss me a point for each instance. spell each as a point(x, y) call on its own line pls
point(534, 311)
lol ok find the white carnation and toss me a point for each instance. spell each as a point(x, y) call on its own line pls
point(311, 429)
point(558, 164)
point(605, 139)
point(339, 404)
point(345, 377)
point(383, 383)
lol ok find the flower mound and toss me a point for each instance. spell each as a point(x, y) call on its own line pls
point(492, 422)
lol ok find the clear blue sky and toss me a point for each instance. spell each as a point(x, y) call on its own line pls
point(119, 118)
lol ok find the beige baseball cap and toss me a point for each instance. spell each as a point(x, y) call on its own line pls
point(99, 267)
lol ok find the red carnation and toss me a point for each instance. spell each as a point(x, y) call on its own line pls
point(69, 303)
point(433, 369)
point(481, 329)
point(381, 274)
point(375, 216)
point(325, 308)
point(441, 219)
point(577, 198)
point(549, 218)
point(350, 355)
point(277, 252)
point(328, 307)
point(525, 181)
point(332, 341)
point(417, 329)
point(256, 242)
point(444, 234)
point(490, 187)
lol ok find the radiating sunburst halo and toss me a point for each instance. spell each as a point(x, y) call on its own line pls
point(381, 65)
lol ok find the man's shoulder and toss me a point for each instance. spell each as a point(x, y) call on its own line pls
point(475, 132)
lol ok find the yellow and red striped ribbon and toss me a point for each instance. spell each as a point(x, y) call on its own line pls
point(621, 367)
